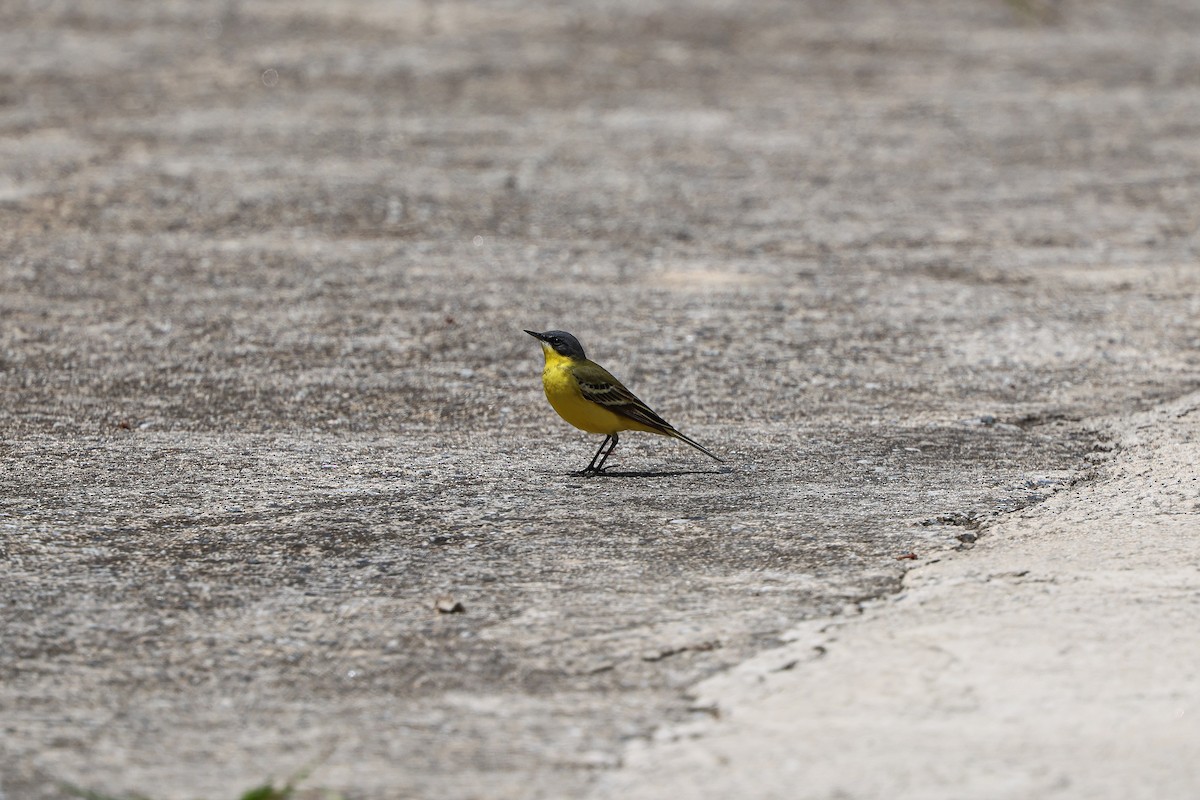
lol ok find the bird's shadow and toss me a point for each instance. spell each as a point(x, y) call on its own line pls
point(671, 473)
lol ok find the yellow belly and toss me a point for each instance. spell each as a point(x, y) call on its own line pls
point(563, 393)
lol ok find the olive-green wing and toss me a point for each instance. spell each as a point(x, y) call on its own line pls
point(598, 385)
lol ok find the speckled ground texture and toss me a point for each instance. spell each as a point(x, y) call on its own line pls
point(265, 401)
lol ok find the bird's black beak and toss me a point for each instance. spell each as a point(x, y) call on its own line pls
point(536, 335)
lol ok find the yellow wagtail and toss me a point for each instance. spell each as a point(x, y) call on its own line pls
point(586, 395)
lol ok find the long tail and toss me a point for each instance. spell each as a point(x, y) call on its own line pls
point(676, 434)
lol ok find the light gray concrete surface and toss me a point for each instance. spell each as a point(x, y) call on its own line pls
point(265, 398)
point(1060, 657)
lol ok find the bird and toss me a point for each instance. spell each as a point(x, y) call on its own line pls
point(586, 395)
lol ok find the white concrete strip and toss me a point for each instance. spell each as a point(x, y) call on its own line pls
point(1058, 658)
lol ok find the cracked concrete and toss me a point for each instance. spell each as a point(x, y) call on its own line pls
point(1056, 658)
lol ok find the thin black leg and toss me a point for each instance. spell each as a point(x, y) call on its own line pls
point(600, 466)
point(591, 468)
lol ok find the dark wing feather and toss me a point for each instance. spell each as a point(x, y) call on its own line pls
point(598, 385)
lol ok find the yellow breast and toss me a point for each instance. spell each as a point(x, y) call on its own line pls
point(563, 393)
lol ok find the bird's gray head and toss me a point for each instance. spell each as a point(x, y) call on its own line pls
point(560, 342)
